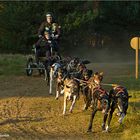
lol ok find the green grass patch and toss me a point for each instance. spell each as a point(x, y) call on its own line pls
point(11, 64)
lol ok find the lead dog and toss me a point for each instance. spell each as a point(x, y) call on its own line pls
point(119, 99)
point(100, 103)
point(70, 93)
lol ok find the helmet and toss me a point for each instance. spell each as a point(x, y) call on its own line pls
point(49, 14)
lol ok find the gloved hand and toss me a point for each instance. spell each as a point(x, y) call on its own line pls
point(54, 36)
point(40, 36)
point(49, 41)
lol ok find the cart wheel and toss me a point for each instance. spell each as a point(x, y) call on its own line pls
point(29, 66)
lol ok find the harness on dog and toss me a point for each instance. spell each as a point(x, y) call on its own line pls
point(102, 92)
point(119, 89)
point(103, 99)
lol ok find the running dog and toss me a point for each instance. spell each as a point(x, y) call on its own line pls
point(71, 89)
point(93, 82)
point(100, 102)
point(119, 99)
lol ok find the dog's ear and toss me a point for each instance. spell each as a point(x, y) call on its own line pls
point(96, 73)
point(67, 86)
point(101, 73)
point(52, 67)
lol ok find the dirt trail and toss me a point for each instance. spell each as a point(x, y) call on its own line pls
point(37, 86)
point(23, 86)
point(37, 115)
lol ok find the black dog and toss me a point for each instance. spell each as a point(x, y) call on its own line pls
point(118, 99)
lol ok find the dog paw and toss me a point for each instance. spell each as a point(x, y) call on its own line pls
point(64, 113)
point(105, 131)
point(89, 130)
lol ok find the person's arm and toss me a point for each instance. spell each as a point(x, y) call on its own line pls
point(41, 29)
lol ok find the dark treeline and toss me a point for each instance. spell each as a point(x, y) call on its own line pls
point(80, 21)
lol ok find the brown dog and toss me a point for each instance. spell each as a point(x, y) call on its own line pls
point(70, 93)
point(92, 83)
point(59, 83)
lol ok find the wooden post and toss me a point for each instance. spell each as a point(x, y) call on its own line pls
point(135, 44)
point(137, 59)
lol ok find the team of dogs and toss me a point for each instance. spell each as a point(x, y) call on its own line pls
point(73, 77)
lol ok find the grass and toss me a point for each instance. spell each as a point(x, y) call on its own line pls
point(27, 111)
point(12, 64)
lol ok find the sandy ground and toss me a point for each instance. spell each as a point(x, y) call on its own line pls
point(27, 111)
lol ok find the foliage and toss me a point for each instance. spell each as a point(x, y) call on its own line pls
point(18, 23)
point(20, 20)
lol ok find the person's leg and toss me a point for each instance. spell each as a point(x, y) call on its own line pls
point(37, 50)
point(48, 55)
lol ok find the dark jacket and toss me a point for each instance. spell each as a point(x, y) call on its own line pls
point(53, 28)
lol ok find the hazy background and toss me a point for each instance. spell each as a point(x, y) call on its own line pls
point(98, 30)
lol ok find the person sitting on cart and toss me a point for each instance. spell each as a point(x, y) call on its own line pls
point(52, 30)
